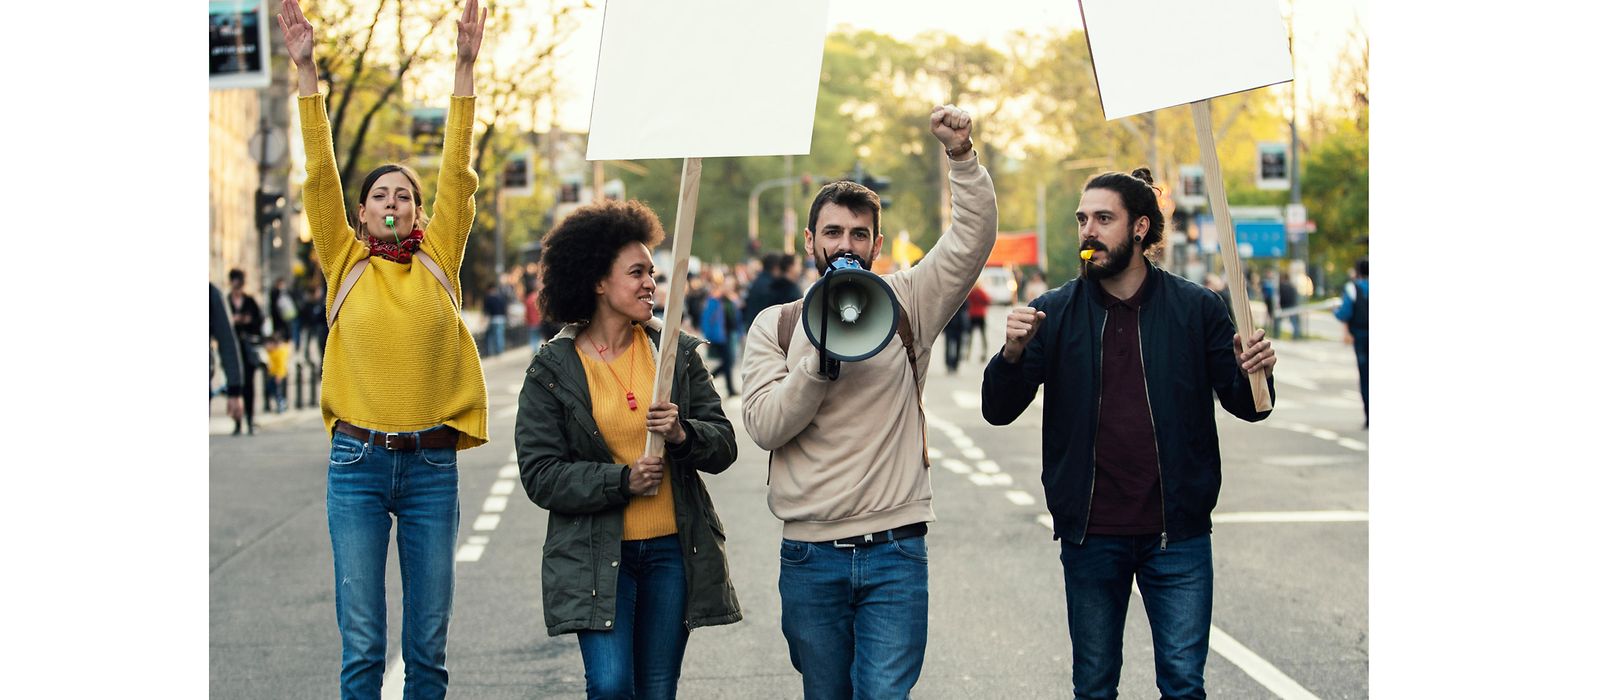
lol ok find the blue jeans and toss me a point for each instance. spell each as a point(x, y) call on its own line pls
point(856, 618)
point(368, 485)
point(1176, 586)
point(642, 654)
point(496, 336)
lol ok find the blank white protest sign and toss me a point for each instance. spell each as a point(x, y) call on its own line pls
point(1150, 54)
point(706, 78)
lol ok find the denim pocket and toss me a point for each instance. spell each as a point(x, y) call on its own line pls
point(792, 552)
point(915, 549)
point(346, 450)
point(439, 457)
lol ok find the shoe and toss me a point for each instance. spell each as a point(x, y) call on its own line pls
point(236, 428)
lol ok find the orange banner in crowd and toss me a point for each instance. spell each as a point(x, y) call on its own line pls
point(1015, 249)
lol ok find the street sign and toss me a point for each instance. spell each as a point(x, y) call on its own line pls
point(241, 48)
point(1191, 186)
point(1272, 165)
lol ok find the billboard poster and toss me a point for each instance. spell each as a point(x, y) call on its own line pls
point(241, 52)
point(1272, 165)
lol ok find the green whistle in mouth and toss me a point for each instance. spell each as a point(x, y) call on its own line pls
point(388, 221)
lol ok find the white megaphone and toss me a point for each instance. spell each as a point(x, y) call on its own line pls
point(850, 314)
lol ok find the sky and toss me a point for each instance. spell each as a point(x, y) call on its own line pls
point(1321, 30)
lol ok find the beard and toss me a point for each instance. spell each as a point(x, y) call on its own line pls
point(1117, 259)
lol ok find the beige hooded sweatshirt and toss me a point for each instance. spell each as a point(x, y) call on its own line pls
point(847, 454)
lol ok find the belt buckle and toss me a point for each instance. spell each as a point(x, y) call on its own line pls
point(838, 544)
point(387, 437)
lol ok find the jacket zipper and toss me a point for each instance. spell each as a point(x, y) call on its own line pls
point(1161, 486)
point(1094, 448)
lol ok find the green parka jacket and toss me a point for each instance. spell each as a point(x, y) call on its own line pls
point(568, 470)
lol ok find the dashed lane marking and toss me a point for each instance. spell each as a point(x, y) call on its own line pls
point(486, 522)
point(494, 504)
point(1020, 498)
point(503, 487)
point(956, 466)
point(510, 471)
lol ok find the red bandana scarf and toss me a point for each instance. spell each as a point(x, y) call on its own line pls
point(389, 250)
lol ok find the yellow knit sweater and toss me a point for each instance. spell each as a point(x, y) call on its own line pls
point(399, 358)
point(624, 432)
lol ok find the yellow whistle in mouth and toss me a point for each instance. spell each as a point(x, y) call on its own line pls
point(1086, 254)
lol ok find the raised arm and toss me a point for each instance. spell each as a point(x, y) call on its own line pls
point(939, 283)
point(331, 235)
point(453, 205)
point(299, 39)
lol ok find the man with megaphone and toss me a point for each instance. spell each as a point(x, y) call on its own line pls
point(839, 405)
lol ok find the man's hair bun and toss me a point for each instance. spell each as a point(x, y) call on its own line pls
point(1144, 175)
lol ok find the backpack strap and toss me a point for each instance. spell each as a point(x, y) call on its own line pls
point(789, 319)
point(361, 266)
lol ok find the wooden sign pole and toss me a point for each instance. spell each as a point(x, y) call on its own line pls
point(1230, 249)
point(672, 315)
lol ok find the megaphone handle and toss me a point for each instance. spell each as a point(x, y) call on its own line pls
point(830, 366)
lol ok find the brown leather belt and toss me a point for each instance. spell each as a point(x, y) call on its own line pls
point(439, 437)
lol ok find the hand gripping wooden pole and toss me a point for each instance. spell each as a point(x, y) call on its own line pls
point(682, 241)
point(1230, 248)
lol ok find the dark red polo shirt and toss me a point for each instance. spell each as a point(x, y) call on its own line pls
point(1127, 485)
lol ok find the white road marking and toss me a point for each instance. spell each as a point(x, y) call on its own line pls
point(981, 479)
point(514, 388)
point(1297, 427)
point(961, 441)
point(1352, 395)
point(1229, 648)
point(1324, 434)
point(935, 453)
point(1353, 444)
point(469, 552)
point(510, 471)
point(1306, 460)
point(494, 504)
point(1303, 516)
point(512, 458)
point(487, 521)
point(507, 412)
point(1258, 668)
point(1047, 521)
point(988, 466)
point(503, 487)
point(967, 399)
point(972, 453)
point(957, 466)
point(1020, 498)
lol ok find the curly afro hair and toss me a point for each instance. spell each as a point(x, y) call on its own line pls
point(578, 254)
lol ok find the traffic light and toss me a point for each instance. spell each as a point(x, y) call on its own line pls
point(269, 209)
point(879, 185)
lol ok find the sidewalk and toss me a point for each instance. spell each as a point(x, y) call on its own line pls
point(311, 415)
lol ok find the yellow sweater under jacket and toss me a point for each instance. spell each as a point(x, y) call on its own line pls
point(399, 357)
point(623, 429)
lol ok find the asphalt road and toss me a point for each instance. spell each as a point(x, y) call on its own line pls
point(1290, 543)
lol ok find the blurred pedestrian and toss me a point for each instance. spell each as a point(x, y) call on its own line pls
point(530, 315)
point(955, 332)
point(402, 386)
point(1288, 300)
point(496, 307)
point(1269, 294)
point(283, 311)
point(278, 351)
point(228, 354)
point(774, 285)
point(636, 534)
point(1036, 287)
point(1353, 311)
point(719, 326)
point(247, 328)
point(314, 320)
point(978, 320)
point(1130, 357)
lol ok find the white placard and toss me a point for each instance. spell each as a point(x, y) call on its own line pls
point(1150, 54)
point(706, 78)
